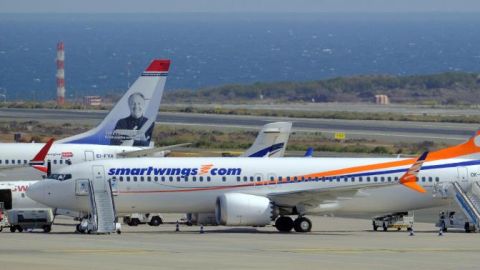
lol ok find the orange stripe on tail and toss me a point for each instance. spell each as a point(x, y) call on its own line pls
point(409, 179)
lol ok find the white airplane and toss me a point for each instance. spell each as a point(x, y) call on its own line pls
point(254, 192)
point(271, 141)
point(126, 130)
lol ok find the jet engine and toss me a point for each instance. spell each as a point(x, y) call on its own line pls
point(237, 209)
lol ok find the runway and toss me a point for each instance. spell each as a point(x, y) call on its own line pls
point(335, 243)
point(390, 131)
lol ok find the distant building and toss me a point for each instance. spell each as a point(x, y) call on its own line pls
point(92, 100)
point(382, 99)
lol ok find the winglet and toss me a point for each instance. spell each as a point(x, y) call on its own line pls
point(38, 161)
point(409, 179)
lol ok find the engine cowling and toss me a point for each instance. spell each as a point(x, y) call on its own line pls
point(238, 209)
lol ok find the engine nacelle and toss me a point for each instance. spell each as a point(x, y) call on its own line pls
point(238, 209)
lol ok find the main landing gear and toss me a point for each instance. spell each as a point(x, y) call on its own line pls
point(300, 224)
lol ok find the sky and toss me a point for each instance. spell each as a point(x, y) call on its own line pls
point(228, 6)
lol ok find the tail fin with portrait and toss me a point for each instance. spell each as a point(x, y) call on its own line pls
point(131, 120)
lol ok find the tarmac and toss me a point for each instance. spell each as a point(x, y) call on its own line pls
point(334, 243)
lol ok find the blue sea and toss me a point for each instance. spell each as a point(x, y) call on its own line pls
point(105, 53)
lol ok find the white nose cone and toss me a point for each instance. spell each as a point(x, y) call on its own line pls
point(36, 192)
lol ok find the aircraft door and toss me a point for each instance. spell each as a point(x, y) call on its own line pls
point(89, 156)
point(98, 178)
point(6, 199)
point(462, 174)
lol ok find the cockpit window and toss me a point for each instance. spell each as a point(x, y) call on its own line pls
point(60, 177)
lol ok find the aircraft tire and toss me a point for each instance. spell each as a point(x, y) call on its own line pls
point(284, 224)
point(302, 224)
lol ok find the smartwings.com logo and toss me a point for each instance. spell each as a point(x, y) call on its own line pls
point(204, 169)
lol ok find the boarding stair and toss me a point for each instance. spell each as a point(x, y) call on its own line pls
point(469, 201)
point(103, 214)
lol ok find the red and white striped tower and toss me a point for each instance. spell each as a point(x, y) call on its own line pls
point(60, 74)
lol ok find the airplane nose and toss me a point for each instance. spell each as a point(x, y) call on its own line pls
point(36, 192)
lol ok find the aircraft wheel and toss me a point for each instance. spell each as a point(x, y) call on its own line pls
point(20, 229)
point(1, 228)
point(284, 224)
point(302, 224)
point(13, 229)
point(384, 226)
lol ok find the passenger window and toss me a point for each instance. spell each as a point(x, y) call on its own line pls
point(389, 179)
point(208, 178)
point(224, 178)
point(245, 179)
point(279, 179)
point(194, 179)
point(288, 178)
point(121, 178)
point(0, 161)
point(239, 178)
point(134, 179)
point(295, 179)
point(178, 178)
point(251, 178)
point(128, 178)
point(360, 179)
point(396, 178)
point(259, 178)
point(13, 161)
point(382, 179)
point(345, 179)
point(163, 178)
point(437, 179)
point(61, 161)
point(338, 178)
point(149, 179)
point(375, 179)
point(6, 161)
point(430, 179)
point(142, 178)
point(423, 179)
point(272, 178)
point(170, 178)
point(201, 178)
point(368, 179)
point(155, 178)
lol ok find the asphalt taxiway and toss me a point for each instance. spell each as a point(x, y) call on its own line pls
point(334, 243)
point(387, 131)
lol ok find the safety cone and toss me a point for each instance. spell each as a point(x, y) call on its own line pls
point(177, 227)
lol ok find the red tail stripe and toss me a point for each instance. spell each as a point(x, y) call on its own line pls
point(159, 65)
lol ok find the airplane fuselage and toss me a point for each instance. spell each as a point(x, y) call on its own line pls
point(193, 184)
point(60, 155)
